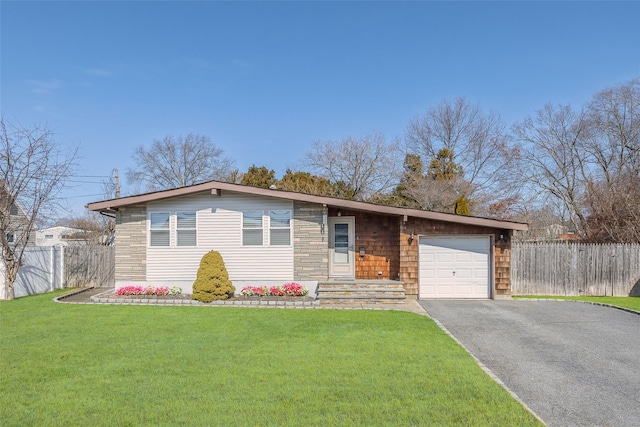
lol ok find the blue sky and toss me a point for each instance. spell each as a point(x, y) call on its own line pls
point(264, 80)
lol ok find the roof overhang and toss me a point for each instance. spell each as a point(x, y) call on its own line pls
point(215, 188)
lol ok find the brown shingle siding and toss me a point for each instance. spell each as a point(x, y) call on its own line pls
point(409, 265)
point(378, 235)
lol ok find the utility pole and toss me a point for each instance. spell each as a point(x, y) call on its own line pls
point(115, 174)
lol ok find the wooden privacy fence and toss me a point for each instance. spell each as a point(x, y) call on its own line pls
point(89, 266)
point(573, 269)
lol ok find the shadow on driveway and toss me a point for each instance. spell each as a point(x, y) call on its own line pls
point(574, 364)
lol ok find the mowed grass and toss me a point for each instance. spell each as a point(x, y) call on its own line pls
point(632, 303)
point(64, 364)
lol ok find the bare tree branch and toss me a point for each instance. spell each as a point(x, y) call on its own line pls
point(366, 165)
point(179, 161)
point(33, 172)
point(477, 140)
point(552, 157)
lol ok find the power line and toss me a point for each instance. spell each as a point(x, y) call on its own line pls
point(86, 195)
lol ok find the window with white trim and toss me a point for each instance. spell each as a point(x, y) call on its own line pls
point(280, 228)
point(11, 238)
point(159, 229)
point(186, 229)
point(252, 228)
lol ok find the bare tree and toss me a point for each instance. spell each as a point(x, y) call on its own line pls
point(612, 148)
point(95, 229)
point(364, 166)
point(477, 140)
point(589, 161)
point(33, 172)
point(553, 162)
point(614, 216)
point(614, 121)
point(179, 161)
point(545, 223)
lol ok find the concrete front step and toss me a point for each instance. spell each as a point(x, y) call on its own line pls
point(359, 286)
point(345, 300)
point(361, 296)
point(368, 290)
point(361, 291)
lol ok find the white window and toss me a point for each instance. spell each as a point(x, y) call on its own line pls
point(11, 238)
point(252, 228)
point(48, 236)
point(173, 229)
point(280, 228)
point(186, 228)
point(159, 229)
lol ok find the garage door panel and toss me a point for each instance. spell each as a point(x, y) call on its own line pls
point(464, 257)
point(465, 290)
point(444, 257)
point(454, 267)
point(464, 273)
point(444, 290)
point(429, 274)
point(428, 257)
point(444, 273)
point(481, 275)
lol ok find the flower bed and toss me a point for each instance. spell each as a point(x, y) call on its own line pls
point(148, 291)
point(287, 290)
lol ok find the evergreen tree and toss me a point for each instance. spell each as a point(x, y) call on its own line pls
point(259, 177)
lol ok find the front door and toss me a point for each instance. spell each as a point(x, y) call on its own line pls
point(341, 247)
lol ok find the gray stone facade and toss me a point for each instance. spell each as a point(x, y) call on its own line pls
point(310, 242)
point(131, 244)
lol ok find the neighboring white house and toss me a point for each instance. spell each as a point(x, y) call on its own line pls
point(59, 236)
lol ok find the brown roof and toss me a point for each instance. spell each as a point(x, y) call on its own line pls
point(216, 187)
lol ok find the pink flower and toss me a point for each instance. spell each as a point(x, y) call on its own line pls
point(276, 291)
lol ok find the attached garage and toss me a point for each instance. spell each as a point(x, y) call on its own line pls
point(455, 267)
point(430, 254)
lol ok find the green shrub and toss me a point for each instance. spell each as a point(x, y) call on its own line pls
point(212, 281)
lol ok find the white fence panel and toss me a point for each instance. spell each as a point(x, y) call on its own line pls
point(45, 269)
point(38, 272)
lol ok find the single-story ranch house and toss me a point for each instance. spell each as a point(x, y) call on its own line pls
point(271, 237)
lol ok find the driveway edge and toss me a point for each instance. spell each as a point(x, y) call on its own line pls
point(488, 371)
point(601, 304)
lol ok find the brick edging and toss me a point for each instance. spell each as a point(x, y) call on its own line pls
point(140, 300)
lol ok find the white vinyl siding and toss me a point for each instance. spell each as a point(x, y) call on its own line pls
point(280, 228)
point(186, 229)
point(220, 228)
point(252, 228)
point(159, 229)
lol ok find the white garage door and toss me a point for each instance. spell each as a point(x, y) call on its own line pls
point(454, 267)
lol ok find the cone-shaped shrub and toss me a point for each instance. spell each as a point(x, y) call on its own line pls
point(212, 281)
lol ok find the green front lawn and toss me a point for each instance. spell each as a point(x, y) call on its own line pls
point(632, 303)
point(65, 364)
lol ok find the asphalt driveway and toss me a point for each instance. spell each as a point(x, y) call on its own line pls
point(573, 364)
